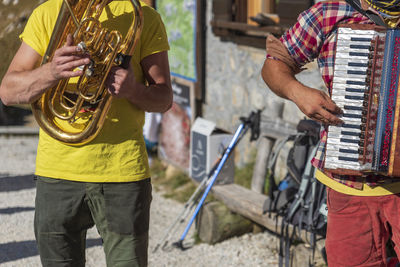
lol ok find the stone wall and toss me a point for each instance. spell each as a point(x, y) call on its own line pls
point(234, 88)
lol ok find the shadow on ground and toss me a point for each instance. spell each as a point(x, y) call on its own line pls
point(18, 250)
point(9, 211)
point(12, 115)
point(16, 183)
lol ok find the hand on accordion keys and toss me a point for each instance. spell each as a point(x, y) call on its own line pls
point(317, 105)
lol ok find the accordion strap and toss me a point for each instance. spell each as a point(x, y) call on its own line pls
point(372, 16)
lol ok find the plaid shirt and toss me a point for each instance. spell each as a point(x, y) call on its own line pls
point(314, 37)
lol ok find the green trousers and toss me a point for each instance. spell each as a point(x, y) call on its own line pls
point(65, 210)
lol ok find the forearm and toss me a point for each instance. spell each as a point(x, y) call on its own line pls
point(314, 103)
point(156, 96)
point(152, 98)
point(281, 80)
point(25, 81)
point(24, 87)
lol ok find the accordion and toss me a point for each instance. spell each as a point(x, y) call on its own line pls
point(365, 86)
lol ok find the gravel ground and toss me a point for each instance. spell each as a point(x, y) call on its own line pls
point(18, 248)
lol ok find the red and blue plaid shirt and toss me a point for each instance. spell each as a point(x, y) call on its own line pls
point(313, 37)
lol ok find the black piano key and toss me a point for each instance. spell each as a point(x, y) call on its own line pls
point(349, 151)
point(357, 72)
point(360, 39)
point(354, 116)
point(358, 54)
point(357, 64)
point(351, 126)
point(355, 82)
point(350, 133)
point(345, 140)
point(354, 97)
point(357, 46)
point(348, 159)
point(354, 90)
point(347, 107)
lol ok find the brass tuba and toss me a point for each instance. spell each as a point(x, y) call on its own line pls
point(75, 114)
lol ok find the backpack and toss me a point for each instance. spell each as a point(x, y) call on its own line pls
point(299, 199)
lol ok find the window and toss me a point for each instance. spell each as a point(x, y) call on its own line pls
point(248, 22)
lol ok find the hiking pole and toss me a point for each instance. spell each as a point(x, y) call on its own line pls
point(241, 130)
point(187, 208)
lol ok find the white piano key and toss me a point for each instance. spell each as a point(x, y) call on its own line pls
point(352, 121)
point(348, 52)
point(344, 92)
point(352, 113)
point(335, 145)
point(339, 97)
point(340, 137)
point(342, 86)
point(348, 34)
point(340, 130)
point(347, 68)
point(355, 44)
point(344, 80)
point(338, 154)
point(350, 76)
point(341, 101)
point(354, 162)
point(339, 164)
point(349, 31)
point(344, 60)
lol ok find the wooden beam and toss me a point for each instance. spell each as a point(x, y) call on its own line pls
point(245, 40)
point(252, 206)
point(256, 30)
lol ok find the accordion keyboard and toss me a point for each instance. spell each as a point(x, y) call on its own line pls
point(349, 145)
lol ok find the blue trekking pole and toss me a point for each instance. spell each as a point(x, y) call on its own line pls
point(253, 122)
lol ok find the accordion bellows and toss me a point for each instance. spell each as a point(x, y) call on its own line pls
point(365, 87)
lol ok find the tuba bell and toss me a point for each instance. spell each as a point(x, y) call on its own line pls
point(74, 114)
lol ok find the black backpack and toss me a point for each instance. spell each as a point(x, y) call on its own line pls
point(299, 199)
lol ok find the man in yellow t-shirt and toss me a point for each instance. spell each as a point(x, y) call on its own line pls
point(105, 182)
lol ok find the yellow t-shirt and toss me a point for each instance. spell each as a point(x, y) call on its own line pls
point(118, 153)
